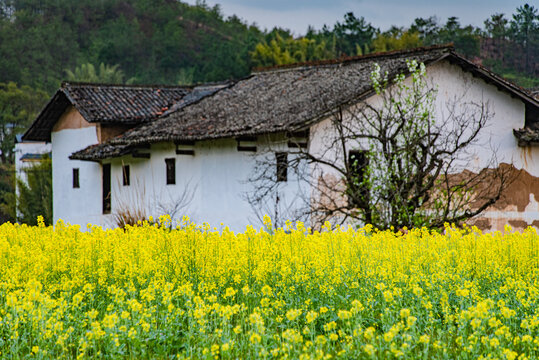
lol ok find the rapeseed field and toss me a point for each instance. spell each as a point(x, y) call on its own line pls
point(194, 292)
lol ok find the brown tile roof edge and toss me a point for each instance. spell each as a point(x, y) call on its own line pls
point(347, 59)
point(37, 130)
point(66, 83)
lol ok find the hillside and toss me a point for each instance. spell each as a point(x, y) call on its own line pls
point(152, 41)
point(166, 41)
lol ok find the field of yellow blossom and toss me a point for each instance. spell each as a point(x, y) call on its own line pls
point(158, 292)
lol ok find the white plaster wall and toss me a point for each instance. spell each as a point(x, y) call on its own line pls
point(81, 205)
point(507, 113)
point(215, 180)
point(496, 139)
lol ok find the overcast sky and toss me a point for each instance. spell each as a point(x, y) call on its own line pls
point(296, 15)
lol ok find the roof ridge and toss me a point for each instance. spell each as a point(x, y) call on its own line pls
point(349, 59)
point(66, 84)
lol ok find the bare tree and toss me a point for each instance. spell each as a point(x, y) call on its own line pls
point(133, 205)
point(386, 160)
point(270, 196)
point(177, 202)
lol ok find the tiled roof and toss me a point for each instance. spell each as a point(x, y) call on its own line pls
point(274, 100)
point(282, 99)
point(126, 104)
point(102, 103)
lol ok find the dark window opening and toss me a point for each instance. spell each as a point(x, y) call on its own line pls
point(531, 117)
point(298, 139)
point(247, 143)
point(106, 189)
point(282, 166)
point(76, 183)
point(185, 148)
point(171, 171)
point(125, 175)
point(358, 191)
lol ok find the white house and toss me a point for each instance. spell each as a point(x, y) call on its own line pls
point(120, 151)
point(81, 115)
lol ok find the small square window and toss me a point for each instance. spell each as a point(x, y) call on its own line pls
point(171, 171)
point(76, 183)
point(282, 166)
point(125, 175)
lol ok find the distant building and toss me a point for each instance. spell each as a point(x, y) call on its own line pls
point(29, 153)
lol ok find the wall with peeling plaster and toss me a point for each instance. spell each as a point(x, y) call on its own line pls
point(520, 204)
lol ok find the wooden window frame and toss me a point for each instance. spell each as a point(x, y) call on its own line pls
point(170, 166)
point(298, 139)
point(246, 143)
point(531, 117)
point(185, 148)
point(76, 178)
point(126, 175)
point(106, 188)
point(281, 162)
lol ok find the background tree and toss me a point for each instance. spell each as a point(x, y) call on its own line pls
point(510, 49)
point(281, 51)
point(170, 42)
point(496, 26)
point(353, 32)
point(525, 29)
point(390, 162)
point(34, 197)
point(427, 29)
point(8, 210)
point(106, 74)
point(18, 108)
point(150, 40)
point(396, 39)
point(465, 39)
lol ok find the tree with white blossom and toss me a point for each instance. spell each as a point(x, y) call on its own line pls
point(388, 161)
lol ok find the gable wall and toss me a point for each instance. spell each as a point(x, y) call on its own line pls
point(107, 132)
point(71, 119)
point(519, 205)
point(75, 205)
